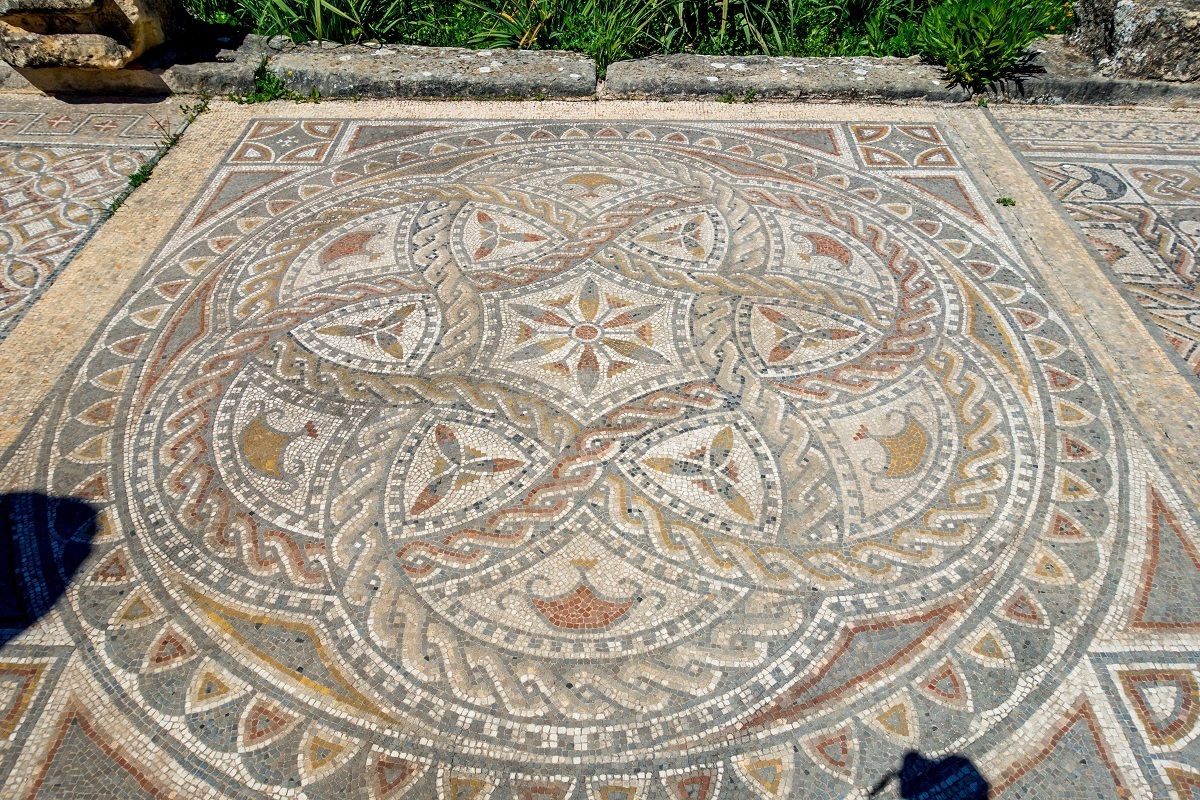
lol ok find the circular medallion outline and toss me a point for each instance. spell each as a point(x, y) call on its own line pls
point(601, 496)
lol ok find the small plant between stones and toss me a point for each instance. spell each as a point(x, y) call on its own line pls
point(1007, 202)
point(169, 139)
point(731, 98)
point(268, 86)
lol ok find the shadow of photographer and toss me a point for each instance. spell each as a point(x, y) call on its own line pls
point(951, 778)
point(43, 542)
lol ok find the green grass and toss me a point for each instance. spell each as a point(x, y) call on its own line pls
point(439, 23)
point(141, 175)
point(978, 41)
point(267, 87)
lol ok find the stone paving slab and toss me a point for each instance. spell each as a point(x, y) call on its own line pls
point(346, 71)
point(1130, 180)
point(395, 450)
point(61, 165)
point(766, 77)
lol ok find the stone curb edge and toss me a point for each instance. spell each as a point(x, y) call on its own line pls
point(362, 71)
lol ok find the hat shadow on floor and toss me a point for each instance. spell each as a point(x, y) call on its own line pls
point(951, 778)
point(43, 542)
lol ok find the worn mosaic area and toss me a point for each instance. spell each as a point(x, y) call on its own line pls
point(1134, 187)
point(598, 460)
point(61, 166)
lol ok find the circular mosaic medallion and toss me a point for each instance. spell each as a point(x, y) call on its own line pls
point(585, 451)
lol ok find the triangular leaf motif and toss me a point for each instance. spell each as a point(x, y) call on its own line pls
point(262, 723)
point(137, 610)
point(114, 568)
point(170, 649)
point(1021, 607)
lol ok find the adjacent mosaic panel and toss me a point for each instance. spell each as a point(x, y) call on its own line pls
point(1134, 187)
point(599, 460)
point(60, 169)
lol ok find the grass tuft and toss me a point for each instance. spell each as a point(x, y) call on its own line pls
point(979, 42)
point(268, 86)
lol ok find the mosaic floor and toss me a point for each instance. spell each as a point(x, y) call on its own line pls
point(1132, 182)
point(605, 456)
point(61, 166)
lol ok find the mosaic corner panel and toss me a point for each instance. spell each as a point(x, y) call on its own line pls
point(61, 166)
point(1134, 189)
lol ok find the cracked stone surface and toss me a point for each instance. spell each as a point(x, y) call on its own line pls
point(631, 450)
point(694, 76)
point(412, 71)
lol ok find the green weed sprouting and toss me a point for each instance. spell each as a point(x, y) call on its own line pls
point(169, 139)
point(141, 175)
point(730, 97)
point(268, 86)
point(979, 42)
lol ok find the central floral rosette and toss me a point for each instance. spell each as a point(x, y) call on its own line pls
point(624, 504)
point(587, 336)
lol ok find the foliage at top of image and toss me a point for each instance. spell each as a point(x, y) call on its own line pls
point(605, 30)
point(978, 41)
point(439, 23)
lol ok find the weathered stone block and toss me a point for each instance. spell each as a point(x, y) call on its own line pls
point(782, 78)
point(1062, 73)
point(409, 71)
point(1158, 40)
point(1149, 39)
point(91, 34)
point(1092, 32)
